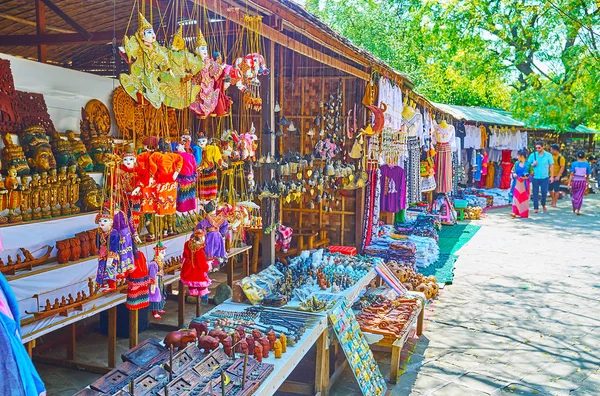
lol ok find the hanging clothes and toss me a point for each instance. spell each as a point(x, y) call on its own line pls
point(393, 188)
point(391, 95)
point(507, 166)
point(444, 138)
point(413, 171)
point(372, 205)
point(371, 94)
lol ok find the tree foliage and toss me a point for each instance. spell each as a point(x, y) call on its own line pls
point(538, 58)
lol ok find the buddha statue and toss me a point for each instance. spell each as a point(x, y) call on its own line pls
point(26, 198)
point(38, 149)
point(62, 149)
point(13, 203)
point(146, 59)
point(13, 156)
point(63, 190)
point(73, 188)
point(34, 187)
point(55, 188)
point(3, 200)
point(80, 152)
point(45, 192)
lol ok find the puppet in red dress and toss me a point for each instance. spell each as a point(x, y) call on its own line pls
point(195, 268)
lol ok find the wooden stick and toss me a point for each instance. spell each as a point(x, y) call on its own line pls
point(244, 372)
point(171, 363)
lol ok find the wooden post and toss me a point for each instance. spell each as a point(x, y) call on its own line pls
point(395, 364)
point(230, 271)
point(181, 305)
point(255, 248)
point(112, 337)
point(198, 306)
point(322, 366)
point(40, 16)
point(246, 265)
point(420, 321)
point(268, 147)
point(133, 328)
point(71, 349)
point(29, 347)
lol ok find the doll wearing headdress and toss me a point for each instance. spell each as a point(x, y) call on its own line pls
point(207, 99)
point(157, 295)
point(216, 227)
point(126, 244)
point(137, 284)
point(195, 267)
point(176, 83)
point(107, 241)
point(146, 58)
point(168, 165)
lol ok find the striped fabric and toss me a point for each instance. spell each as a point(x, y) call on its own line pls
point(520, 203)
point(137, 293)
point(578, 188)
point(392, 281)
point(443, 172)
point(208, 184)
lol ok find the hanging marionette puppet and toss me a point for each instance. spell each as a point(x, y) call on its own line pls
point(168, 165)
point(126, 244)
point(146, 59)
point(187, 178)
point(195, 267)
point(107, 241)
point(207, 78)
point(146, 191)
point(137, 284)
point(211, 160)
point(157, 295)
point(128, 180)
point(216, 227)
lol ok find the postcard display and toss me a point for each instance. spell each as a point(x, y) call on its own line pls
point(357, 351)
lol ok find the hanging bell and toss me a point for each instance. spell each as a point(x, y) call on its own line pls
point(311, 132)
point(329, 170)
point(311, 205)
point(292, 127)
point(284, 122)
point(317, 120)
point(322, 133)
point(269, 159)
point(279, 133)
point(277, 108)
point(318, 198)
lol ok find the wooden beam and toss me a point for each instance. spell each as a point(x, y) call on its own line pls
point(112, 337)
point(280, 38)
point(40, 19)
point(27, 40)
point(31, 23)
point(67, 18)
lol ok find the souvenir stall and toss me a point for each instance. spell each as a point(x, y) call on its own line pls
point(222, 129)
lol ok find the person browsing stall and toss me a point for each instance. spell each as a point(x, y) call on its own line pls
point(578, 180)
point(557, 170)
point(540, 160)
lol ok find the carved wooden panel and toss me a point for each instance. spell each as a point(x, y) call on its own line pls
point(9, 117)
point(32, 110)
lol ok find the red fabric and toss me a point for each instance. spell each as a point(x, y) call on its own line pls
point(195, 265)
point(188, 166)
point(347, 250)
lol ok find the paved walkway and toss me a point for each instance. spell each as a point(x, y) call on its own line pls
point(523, 314)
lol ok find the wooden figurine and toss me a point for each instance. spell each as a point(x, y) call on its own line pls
point(283, 340)
point(26, 198)
point(251, 345)
point(277, 349)
point(258, 351)
point(264, 342)
point(227, 345)
point(272, 338)
point(180, 339)
point(34, 186)
point(13, 186)
point(73, 189)
point(63, 190)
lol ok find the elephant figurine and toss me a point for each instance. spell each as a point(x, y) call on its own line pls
point(180, 339)
point(207, 343)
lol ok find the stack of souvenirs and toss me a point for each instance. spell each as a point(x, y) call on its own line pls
point(313, 281)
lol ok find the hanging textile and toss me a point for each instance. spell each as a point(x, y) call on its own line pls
point(393, 188)
point(413, 171)
point(445, 140)
point(372, 208)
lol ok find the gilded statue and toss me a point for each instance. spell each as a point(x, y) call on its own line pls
point(176, 83)
point(54, 187)
point(62, 149)
point(35, 187)
point(45, 192)
point(96, 139)
point(89, 193)
point(38, 149)
point(13, 156)
point(146, 60)
point(26, 211)
point(99, 116)
point(3, 199)
point(63, 190)
point(80, 152)
point(73, 189)
point(13, 186)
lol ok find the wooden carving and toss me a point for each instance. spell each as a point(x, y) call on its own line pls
point(32, 110)
point(28, 262)
point(9, 117)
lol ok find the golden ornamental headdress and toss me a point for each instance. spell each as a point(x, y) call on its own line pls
point(200, 40)
point(178, 42)
point(143, 24)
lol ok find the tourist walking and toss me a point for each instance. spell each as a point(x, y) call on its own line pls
point(540, 160)
point(578, 180)
point(520, 186)
point(557, 170)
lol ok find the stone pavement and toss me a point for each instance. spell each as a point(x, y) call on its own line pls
point(522, 316)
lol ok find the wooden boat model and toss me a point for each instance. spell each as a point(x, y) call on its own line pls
point(28, 261)
point(63, 306)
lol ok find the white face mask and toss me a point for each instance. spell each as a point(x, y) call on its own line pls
point(202, 142)
point(162, 254)
point(105, 224)
point(149, 36)
point(202, 51)
point(129, 162)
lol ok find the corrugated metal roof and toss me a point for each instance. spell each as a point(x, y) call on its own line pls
point(479, 114)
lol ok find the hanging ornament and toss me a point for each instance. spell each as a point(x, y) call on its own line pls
point(284, 122)
point(277, 108)
point(311, 132)
point(292, 127)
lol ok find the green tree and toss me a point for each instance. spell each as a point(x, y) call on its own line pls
point(537, 57)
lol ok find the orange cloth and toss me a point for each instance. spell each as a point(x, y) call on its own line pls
point(166, 184)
